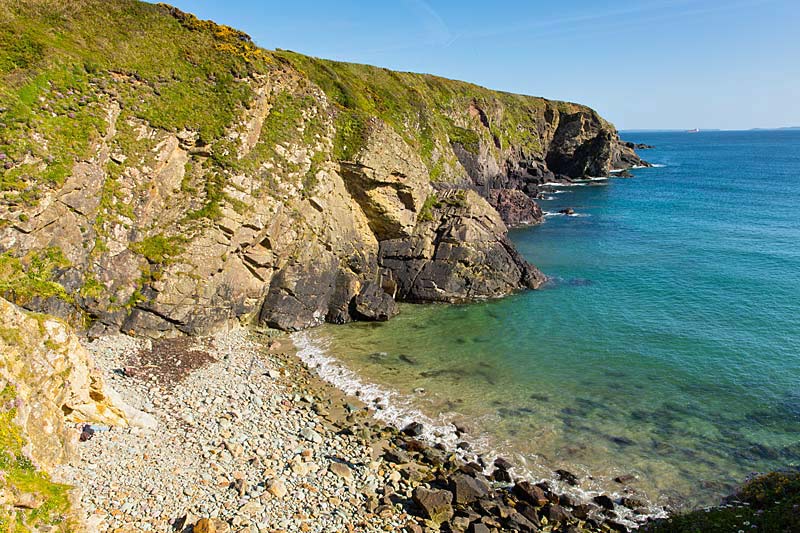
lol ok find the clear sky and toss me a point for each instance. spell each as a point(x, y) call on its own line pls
point(731, 64)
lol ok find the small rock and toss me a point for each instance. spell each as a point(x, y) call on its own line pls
point(530, 493)
point(567, 477)
point(414, 429)
point(211, 525)
point(341, 470)
point(28, 500)
point(311, 435)
point(277, 488)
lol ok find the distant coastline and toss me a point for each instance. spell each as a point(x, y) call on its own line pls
point(678, 130)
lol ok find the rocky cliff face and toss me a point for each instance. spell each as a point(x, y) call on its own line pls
point(47, 380)
point(190, 178)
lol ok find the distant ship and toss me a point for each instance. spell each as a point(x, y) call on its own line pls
point(696, 130)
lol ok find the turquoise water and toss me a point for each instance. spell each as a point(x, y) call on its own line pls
point(668, 345)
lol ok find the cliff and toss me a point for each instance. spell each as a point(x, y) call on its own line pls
point(47, 381)
point(162, 174)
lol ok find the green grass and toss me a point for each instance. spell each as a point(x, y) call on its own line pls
point(20, 475)
point(159, 249)
point(769, 503)
point(32, 276)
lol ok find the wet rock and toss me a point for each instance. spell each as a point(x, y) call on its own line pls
point(556, 514)
point(567, 211)
point(530, 493)
point(436, 504)
point(583, 511)
point(501, 475)
point(567, 477)
point(414, 429)
point(528, 511)
point(604, 501)
point(631, 503)
point(467, 489)
point(517, 522)
point(502, 464)
point(624, 479)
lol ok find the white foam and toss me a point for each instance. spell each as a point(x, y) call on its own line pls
point(557, 214)
point(394, 408)
point(566, 184)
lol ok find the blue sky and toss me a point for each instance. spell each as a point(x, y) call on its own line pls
point(731, 64)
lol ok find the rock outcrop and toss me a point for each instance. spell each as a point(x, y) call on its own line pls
point(54, 383)
point(173, 197)
point(47, 384)
point(460, 254)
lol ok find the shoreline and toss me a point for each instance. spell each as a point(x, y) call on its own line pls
point(253, 437)
point(394, 408)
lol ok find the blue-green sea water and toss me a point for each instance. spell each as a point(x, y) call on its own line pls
point(667, 346)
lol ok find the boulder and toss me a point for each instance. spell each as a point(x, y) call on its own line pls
point(556, 514)
point(526, 491)
point(372, 303)
point(467, 489)
point(604, 501)
point(436, 504)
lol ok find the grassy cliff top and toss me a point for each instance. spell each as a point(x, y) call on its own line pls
point(59, 61)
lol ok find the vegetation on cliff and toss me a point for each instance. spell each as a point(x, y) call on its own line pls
point(35, 499)
point(768, 502)
point(154, 152)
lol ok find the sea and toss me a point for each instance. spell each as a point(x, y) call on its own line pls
point(665, 347)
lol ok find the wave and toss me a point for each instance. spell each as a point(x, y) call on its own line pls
point(565, 184)
point(557, 214)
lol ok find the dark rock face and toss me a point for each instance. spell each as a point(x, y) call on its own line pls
point(372, 303)
point(414, 429)
point(463, 254)
point(515, 207)
point(584, 146)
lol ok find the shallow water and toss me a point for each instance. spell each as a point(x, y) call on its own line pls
point(668, 345)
